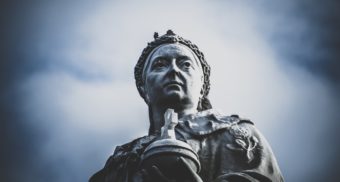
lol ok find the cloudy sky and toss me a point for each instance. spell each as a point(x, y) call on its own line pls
point(67, 86)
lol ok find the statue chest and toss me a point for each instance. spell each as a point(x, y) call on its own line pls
point(220, 152)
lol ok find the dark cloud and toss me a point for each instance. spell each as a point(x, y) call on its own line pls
point(16, 136)
point(307, 35)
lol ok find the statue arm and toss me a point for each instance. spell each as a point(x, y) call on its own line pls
point(122, 165)
point(113, 170)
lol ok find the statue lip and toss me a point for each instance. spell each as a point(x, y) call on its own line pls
point(170, 83)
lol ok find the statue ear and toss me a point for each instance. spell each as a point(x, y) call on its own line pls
point(144, 94)
point(202, 81)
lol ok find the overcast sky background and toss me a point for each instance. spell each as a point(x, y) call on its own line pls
point(68, 94)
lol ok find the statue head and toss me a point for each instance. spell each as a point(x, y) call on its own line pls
point(172, 71)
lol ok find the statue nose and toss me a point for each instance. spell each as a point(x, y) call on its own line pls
point(174, 68)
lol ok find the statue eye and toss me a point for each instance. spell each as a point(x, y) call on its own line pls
point(161, 63)
point(186, 64)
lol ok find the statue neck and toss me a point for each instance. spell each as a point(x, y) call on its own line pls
point(156, 116)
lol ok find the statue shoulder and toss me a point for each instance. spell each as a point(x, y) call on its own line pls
point(125, 159)
point(210, 121)
point(252, 147)
point(134, 147)
point(232, 119)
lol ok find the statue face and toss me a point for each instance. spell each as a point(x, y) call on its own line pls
point(173, 76)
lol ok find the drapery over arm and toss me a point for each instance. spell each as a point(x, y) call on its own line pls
point(258, 161)
point(124, 162)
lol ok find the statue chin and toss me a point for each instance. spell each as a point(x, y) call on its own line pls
point(174, 94)
point(172, 99)
point(165, 154)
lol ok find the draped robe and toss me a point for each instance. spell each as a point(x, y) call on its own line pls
point(229, 149)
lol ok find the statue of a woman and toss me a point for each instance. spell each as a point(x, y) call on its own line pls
point(173, 73)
